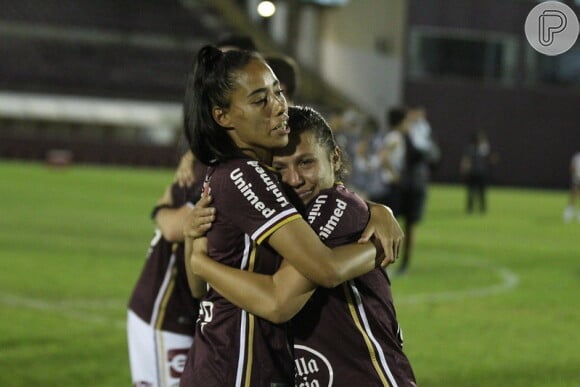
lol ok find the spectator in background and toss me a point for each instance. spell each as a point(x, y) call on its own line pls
point(573, 207)
point(475, 167)
point(410, 153)
point(365, 170)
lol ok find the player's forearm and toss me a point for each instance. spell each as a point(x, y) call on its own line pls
point(353, 260)
point(197, 285)
point(171, 222)
point(300, 245)
point(259, 294)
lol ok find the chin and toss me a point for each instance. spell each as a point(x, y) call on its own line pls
point(281, 143)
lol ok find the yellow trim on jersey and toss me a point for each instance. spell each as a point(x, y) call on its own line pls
point(251, 324)
point(161, 315)
point(357, 323)
point(277, 226)
point(250, 329)
point(161, 363)
point(165, 300)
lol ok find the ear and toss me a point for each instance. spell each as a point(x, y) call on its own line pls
point(221, 116)
point(336, 159)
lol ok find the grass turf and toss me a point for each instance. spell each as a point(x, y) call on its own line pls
point(489, 300)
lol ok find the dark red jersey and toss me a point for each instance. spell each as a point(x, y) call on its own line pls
point(161, 296)
point(233, 347)
point(349, 335)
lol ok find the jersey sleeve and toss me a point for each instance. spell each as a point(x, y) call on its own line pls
point(252, 198)
point(338, 216)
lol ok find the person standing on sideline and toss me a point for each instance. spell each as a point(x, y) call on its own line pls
point(573, 207)
point(235, 115)
point(475, 167)
point(410, 151)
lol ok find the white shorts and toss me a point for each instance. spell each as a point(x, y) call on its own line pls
point(157, 358)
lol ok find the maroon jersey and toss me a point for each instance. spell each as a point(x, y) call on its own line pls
point(233, 347)
point(161, 296)
point(349, 335)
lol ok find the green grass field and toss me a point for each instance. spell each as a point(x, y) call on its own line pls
point(489, 300)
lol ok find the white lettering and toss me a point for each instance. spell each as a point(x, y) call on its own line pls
point(305, 369)
point(326, 230)
point(315, 211)
point(270, 184)
point(237, 176)
point(205, 313)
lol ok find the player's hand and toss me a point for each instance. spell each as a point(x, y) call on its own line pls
point(184, 175)
point(384, 227)
point(200, 219)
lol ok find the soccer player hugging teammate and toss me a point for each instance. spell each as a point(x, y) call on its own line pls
point(235, 115)
point(346, 334)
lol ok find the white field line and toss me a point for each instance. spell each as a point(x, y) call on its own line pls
point(508, 280)
point(88, 310)
point(84, 310)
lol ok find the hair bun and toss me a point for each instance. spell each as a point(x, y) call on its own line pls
point(209, 55)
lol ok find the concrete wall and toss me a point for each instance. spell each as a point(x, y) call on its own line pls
point(359, 50)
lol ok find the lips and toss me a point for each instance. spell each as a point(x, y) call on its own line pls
point(282, 128)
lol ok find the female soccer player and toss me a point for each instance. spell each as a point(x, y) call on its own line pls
point(162, 313)
point(344, 336)
point(235, 115)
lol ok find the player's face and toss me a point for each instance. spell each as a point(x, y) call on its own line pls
point(258, 113)
point(309, 169)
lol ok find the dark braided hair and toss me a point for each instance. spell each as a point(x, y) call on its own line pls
point(210, 85)
point(305, 119)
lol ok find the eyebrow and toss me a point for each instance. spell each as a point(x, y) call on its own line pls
point(262, 89)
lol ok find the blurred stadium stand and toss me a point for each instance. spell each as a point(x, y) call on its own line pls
point(102, 80)
point(107, 48)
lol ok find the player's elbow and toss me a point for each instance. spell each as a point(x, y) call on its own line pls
point(198, 293)
point(197, 288)
point(278, 312)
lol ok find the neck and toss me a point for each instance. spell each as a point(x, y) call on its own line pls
point(262, 155)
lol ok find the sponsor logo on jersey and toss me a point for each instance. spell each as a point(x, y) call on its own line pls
point(237, 176)
point(312, 368)
point(327, 229)
point(176, 359)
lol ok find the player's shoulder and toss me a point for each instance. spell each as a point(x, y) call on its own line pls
point(342, 192)
point(337, 215)
point(240, 166)
point(338, 197)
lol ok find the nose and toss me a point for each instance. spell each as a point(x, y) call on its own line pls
point(292, 177)
point(280, 104)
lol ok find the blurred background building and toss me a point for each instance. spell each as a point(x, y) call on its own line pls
point(102, 81)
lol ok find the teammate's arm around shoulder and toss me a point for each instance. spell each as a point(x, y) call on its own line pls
point(169, 219)
point(194, 228)
point(299, 244)
point(276, 297)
